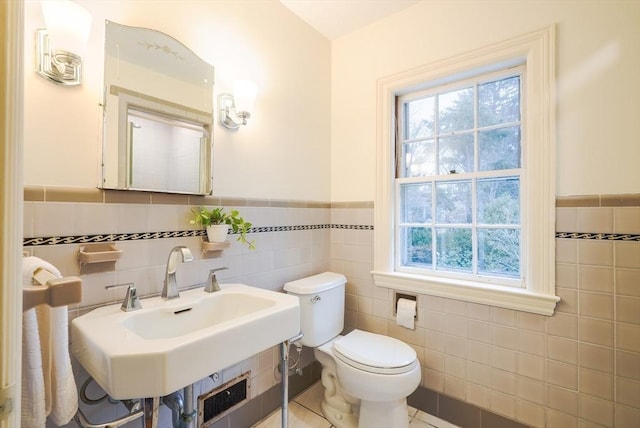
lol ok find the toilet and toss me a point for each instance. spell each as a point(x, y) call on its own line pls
point(366, 376)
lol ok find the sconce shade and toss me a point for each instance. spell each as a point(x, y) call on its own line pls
point(234, 110)
point(68, 25)
point(244, 93)
point(58, 47)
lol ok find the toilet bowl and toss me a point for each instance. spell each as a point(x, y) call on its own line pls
point(381, 372)
point(366, 376)
point(338, 407)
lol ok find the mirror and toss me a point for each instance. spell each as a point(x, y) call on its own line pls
point(158, 113)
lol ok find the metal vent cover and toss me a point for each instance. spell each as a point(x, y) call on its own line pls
point(220, 401)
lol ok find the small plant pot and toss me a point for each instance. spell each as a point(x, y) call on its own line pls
point(217, 232)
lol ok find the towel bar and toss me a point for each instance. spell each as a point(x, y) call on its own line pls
point(53, 291)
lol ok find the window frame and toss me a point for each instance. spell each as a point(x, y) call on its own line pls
point(474, 176)
point(536, 51)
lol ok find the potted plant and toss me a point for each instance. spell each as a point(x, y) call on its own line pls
point(217, 223)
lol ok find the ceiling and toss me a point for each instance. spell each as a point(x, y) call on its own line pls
point(335, 18)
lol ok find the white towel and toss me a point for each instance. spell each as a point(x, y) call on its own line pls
point(48, 385)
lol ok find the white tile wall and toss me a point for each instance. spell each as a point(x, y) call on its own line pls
point(279, 257)
point(557, 371)
point(542, 371)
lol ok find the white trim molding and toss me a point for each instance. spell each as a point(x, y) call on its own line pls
point(11, 205)
point(504, 297)
point(536, 50)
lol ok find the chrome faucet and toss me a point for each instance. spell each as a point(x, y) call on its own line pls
point(170, 289)
point(212, 283)
point(131, 301)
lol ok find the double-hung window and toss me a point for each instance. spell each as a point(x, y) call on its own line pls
point(458, 180)
point(465, 202)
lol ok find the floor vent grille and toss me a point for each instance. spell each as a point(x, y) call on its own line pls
point(217, 403)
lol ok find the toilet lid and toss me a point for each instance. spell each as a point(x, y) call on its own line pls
point(374, 352)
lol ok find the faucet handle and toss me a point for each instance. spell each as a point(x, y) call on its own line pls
point(131, 301)
point(212, 283)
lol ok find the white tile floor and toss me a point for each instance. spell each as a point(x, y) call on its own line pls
point(304, 412)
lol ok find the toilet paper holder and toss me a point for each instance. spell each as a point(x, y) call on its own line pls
point(397, 296)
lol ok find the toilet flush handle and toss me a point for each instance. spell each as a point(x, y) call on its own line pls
point(316, 299)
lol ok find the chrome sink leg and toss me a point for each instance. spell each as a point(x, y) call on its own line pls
point(151, 408)
point(284, 373)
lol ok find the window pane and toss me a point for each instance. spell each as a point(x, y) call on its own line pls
point(499, 102)
point(453, 202)
point(498, 200)
point(455, 110)
point(499, 252)
point(416, 203)
point(499, 149)
point(420, 159)
point(456, 154)
point(419, 117)
point(454, 249)
point(416, 245)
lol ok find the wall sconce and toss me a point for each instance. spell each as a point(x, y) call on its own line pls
point(68, 26)
point(234, 110)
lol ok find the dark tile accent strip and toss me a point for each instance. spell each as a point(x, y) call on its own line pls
point(266, 403)
point(620, 201)
point(310, 374)
point(607, 200)
point(169, 199)
point(34, 194)
point(64, 194)
point(577, 201)
point(458, 412)
point(425, 400)
point(491, 420)
point(204, 200)
point(357, 204)
point(79, 195)
point(126, 197)
point(44, 193)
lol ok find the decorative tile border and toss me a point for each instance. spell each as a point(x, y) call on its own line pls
point(119, 237)
point(598, 236)
point(352, 226)
point(110, 237)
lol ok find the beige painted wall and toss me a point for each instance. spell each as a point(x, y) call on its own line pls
point(597, 65)
point(282, 153)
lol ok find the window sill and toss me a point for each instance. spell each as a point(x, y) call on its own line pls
point(510, 298)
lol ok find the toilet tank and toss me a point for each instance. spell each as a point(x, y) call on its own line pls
point(321, 306)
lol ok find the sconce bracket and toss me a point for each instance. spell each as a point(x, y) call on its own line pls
point(227, 114)
point(60, 67)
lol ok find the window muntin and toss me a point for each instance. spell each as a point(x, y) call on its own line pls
point(459, 181)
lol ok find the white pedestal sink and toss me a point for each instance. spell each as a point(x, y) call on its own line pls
point(168, 345)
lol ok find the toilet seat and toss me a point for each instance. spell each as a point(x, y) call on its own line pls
point(374, 353)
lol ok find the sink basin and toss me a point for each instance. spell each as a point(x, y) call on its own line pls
point(168, 345)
